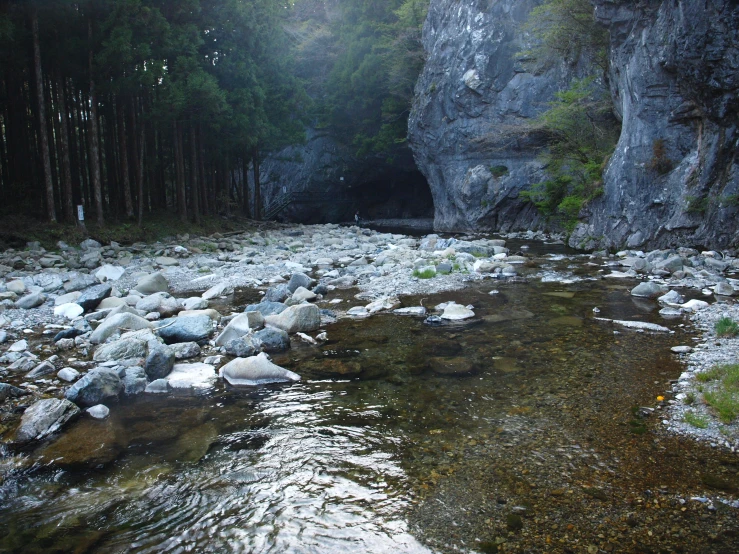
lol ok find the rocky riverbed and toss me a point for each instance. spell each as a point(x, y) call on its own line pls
point(93, 335)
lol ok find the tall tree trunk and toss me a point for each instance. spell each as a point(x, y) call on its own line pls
point(123, 148)
point(257, 185)
point(180, 173)
point(194, 192)
point(97, 187)
point(41, 111)
point(138, 157)
point(245, 188)
point(67, 200)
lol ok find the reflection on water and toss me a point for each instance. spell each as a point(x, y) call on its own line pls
point(370, 437)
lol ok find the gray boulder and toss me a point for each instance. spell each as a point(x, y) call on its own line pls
point(648, 290)
point(160, 302)
point(243, 347)
point(44, 418)
point(149, 284)
point(298, 280)
point(91, 297)
point(301, 318)
point(276, 294)
point(256, 370)
point(193, 328)
point(724, 289)
point(9, 391)
point(159, 362)
point(185, 350)
point(116, 322)
point(134, 381)
point(96, 387)
point(273, 339)
point(266, 308)
point(29, 301)
point(122, 349)
point(44, 368)
point(80, 283)
point(671, 264)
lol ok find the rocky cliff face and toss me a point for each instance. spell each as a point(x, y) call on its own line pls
point(470, 96)
point(674, 77)
point(327, 182)
point(675, 82)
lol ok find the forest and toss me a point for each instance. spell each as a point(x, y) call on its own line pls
point(136, 107)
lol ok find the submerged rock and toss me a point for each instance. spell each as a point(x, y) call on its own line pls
point(192, 376)
point(257, 370)
point(44, 418)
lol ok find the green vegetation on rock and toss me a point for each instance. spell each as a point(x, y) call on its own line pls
point(579, 127)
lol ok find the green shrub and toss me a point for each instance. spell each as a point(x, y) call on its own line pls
point(726, 327)
point(696, 205)
point(498, 171)
point(725, 402)
point(691, 418)
point(724, 395)
point(425, 274)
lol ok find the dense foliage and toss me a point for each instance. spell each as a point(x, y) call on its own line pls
point(579, 126)
point(126, 106)
point(581, 133)
point(360, 60)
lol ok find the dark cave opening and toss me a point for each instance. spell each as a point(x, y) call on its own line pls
point(402, 195)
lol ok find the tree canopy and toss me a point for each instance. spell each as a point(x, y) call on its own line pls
point(148, 103)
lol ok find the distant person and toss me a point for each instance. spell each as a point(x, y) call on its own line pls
point(356, 217)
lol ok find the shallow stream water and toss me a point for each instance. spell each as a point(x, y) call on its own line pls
point(538, 446)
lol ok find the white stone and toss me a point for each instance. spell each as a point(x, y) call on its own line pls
point(192, 376)
point(256, 370)
point(19, 346)
point(358, 311)
point(109, 272)
point(67, 298)
point(454, 312)
point(412, 310)
point(99, 411)
point(221, 289)
point(386, 303)
point(694, 305)
point(681, 349)
point(70, 311)
point(68, 374)
point(301, 293)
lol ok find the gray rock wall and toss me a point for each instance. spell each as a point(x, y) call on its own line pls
point(471, 94)
point(674, 77)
